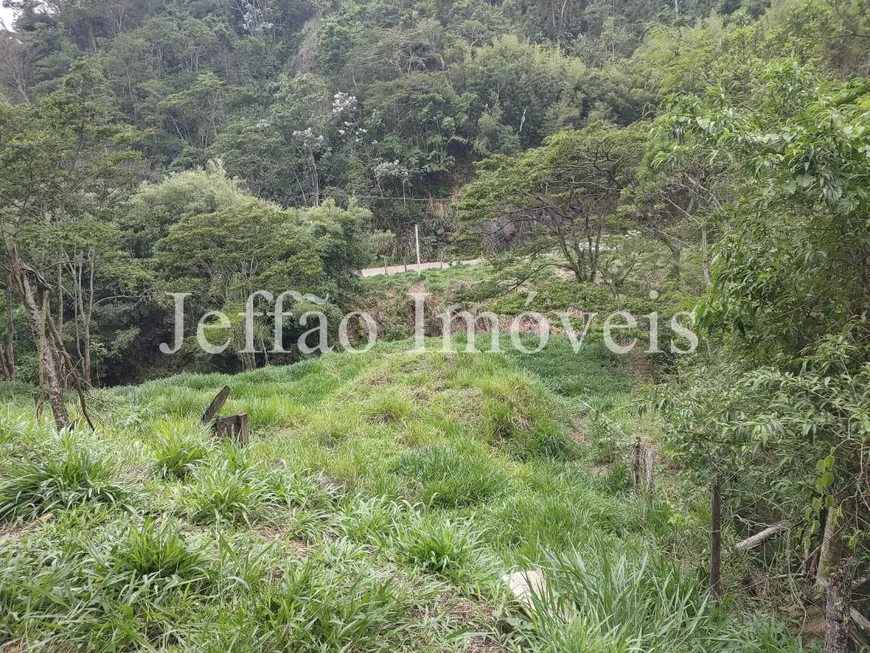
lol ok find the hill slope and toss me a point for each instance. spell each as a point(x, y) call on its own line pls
point(379, 503)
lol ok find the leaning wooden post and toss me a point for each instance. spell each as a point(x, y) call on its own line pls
point(838, 606)
point(216, 404)
point(716, 539)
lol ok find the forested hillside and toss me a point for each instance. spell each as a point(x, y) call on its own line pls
point(385, 109)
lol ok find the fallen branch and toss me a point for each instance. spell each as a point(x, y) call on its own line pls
point(763, 536)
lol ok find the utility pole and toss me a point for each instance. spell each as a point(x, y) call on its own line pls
point(417, 238)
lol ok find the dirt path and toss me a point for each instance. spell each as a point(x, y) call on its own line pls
point(413, 267)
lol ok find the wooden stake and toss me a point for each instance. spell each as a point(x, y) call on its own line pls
point(635, 465)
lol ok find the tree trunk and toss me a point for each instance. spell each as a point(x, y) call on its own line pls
point(10, 326)
point(34, 295)
point(60, 290)
point(677, 258)
point(7, 354)
point(716, 541)
point(832, 547)
point(706, 258)
point(837, 607)
point(87, 316)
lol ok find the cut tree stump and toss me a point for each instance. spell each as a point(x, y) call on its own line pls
point(234, 427)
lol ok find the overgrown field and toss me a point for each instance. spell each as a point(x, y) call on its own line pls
point(382, 498)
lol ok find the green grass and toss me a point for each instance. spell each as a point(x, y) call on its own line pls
point(58, 477)
point(380, 501)
point(450, 476)
point(178, 448)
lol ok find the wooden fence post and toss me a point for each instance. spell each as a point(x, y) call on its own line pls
point(635, 465)
point(716, 540)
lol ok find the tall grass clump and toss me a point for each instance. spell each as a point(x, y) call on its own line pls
point(367, 519)
point(605, 601)
point(517, 417)
point(178, 449)
point(51, 479)
point(233, 490)
point(18, 429)
point(220, 492)
point(388, 407)
point(437, 546)
point(451, 476)
point(319, 607)
point(159, 552)
point(627, 601)
point(136, 586)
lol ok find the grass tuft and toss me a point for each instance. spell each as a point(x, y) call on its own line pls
point(52, 480)
point(178, 450)
point(160, 552)
point(436, 546)
point(452, 476)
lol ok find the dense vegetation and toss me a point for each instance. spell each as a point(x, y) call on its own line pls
point(706, 156)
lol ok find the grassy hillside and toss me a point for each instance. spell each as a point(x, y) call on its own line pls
point(379, 503)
